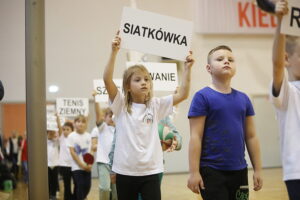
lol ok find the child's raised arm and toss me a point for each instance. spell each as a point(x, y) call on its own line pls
point(109, 69)
point(184, 88)
point(279, 54)
point(58, 124)
point(98, 112)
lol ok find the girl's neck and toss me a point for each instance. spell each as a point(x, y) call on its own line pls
point(139, 99)
point(221, 86)
point(80, 131)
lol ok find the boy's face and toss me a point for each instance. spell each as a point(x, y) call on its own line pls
point(51, 134)
point(108, 119)
point(80, 126)
point(293, 62)
point(222, 64)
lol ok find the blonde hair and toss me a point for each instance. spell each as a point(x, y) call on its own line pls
point(221, 47)
point(107, 111)
point(290, 44)
point(126, 84)
point(80, 118)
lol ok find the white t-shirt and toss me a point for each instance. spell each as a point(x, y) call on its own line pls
point(81, 144)
point(53, 152)
point(138, 150)
point(65, 157)
point(287, 106)
point(15, 145)
point(105, 135)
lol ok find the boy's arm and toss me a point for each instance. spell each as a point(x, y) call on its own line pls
point(184, 89)
point(253, 148)
point(94, 144)
point(195, 181)
point(78, 161)
point(98, 112)
point(109, 69)
point(279, 55)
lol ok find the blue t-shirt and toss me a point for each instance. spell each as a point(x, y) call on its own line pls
point(223, 144)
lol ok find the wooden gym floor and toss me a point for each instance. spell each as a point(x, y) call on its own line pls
point(174, 188)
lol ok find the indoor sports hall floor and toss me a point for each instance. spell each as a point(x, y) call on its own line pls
point(174, 188)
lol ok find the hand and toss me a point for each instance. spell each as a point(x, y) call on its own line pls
point(165, 144)
point(94, 93)
point(113, 178)
point(281, 8)
point(189, 61)
point(88, 168)
point(173, 145)
point(257, 181)
point(116, 43)
point(195, 182)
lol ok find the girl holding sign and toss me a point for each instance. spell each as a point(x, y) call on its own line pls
point(138, 158)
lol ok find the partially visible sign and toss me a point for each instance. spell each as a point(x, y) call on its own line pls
point(164, 75)
point(50, 109)
point(291, 21)
point(51, 123)
point(155, 34)
point(72, 107)
point(232, 17)
point(99, 87)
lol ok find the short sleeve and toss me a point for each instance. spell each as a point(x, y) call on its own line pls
point(165, 107)
point(94, 133)
point(199, 106)
point(249, 107)
point(118, 103)
point(70, 140)
point(280, 102)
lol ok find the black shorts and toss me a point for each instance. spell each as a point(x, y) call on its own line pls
point(224, 185)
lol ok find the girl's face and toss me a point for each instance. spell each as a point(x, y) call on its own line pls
point(140, 87)
point(80, 126)
point(66, 130)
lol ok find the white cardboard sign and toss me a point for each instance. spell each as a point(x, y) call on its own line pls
point(291, 21)
point(155, 34)
point(72, 107)
point(51, 123)
point(99, 87)
point(164, 75)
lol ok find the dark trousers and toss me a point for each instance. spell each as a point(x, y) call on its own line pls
point(15, 167)
point(128, 187)
point(224, 185)
point(66, 174)
point(82, 181)
point(52, 180)
point(293, 188)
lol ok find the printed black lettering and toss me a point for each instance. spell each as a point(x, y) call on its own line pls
point(126, 28)
point(295, 16)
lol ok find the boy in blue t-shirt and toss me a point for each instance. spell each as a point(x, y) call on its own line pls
point(221, 124)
